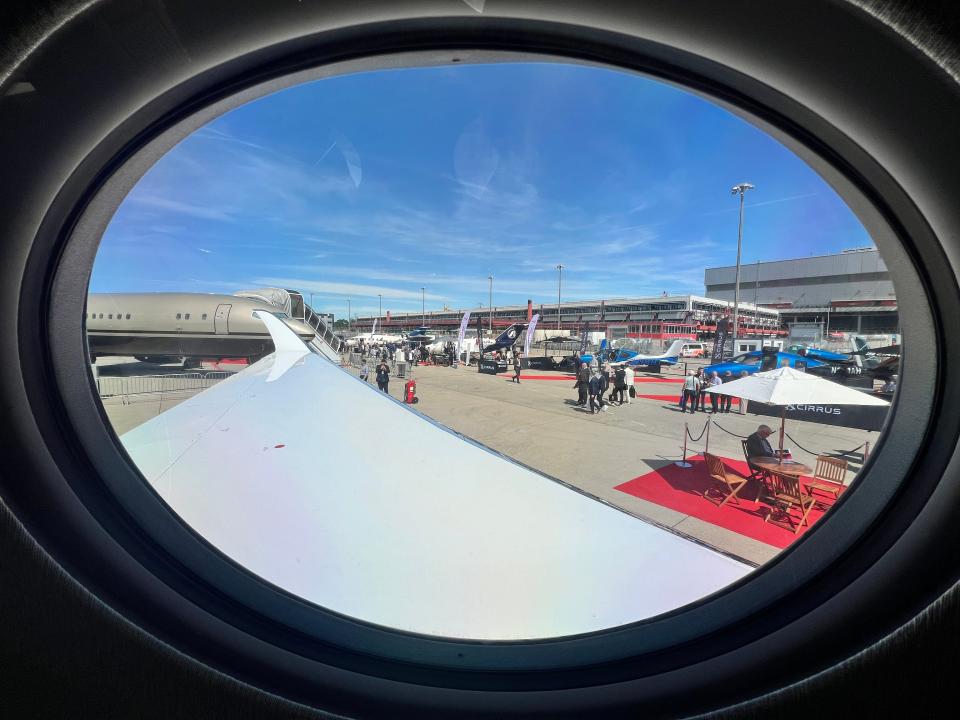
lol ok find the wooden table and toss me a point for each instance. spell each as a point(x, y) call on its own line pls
point(787, 467)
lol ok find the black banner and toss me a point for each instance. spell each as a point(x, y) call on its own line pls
point(862, 417)
point(492, 367)
point(723, 329)
point(539, 363)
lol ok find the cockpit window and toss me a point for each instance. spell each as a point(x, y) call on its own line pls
point(467, 368)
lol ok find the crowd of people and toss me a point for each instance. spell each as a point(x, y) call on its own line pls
point(594, 381)
point(391, 352)
point(697, 385)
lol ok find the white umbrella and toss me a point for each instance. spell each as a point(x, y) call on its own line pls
point(786, 386)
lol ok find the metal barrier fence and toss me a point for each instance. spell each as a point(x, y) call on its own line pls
point(123, 387)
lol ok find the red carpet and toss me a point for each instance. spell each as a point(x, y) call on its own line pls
point(682, 490)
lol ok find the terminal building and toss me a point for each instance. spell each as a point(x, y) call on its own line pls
point(657, 318)
point(849, 292)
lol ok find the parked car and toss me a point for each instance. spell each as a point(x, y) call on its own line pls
point(694, 350)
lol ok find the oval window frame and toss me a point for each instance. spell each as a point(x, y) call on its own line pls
point(104, 455)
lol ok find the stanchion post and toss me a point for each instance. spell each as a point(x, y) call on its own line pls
point(706, 447)
point(683, 463)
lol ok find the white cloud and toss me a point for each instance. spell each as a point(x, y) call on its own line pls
point(342, 288)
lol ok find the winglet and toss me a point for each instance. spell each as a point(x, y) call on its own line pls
point(284, 339)
point(288, 348)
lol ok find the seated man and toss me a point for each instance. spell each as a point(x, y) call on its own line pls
point(758, 446)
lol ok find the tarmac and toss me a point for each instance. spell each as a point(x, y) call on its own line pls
point(539, 424)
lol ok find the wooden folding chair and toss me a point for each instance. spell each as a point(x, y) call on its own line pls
point(785, 495)
point(755, 472)
point(828, 476)
point(758, 475)
point(719, 473)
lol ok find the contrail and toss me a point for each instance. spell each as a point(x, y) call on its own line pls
point(325, 153)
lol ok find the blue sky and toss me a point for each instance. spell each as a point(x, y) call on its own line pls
point(390, 181)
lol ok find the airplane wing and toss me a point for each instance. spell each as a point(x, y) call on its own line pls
point(828, 356)
point(324, 486)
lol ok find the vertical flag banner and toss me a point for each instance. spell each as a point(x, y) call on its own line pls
point(583, 339)
point(463, 328)
point(723, 329)
point(373, 330)
point(531, 328)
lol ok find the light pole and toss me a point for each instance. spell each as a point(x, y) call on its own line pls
point(423, 308)
point(380, 313)
point(559, 283)
point(348, 314)
point(740, 190)
point(490, 304)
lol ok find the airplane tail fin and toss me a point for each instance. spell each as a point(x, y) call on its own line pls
point(603, 345)
point(859, 352)
point(674, 350)
point(507, 338)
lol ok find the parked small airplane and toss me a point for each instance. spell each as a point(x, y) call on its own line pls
point(881, 363)
point(624, 356)
point(752, 362)
point(440, 344)
point(372, 337)
point(421, 334)
point(820, 354)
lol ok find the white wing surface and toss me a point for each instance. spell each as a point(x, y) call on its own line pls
point(322, 485)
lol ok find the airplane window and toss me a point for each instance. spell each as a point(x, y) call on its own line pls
point(128, 316)
point(412, 374)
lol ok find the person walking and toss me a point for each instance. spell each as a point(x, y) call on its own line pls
point(714, 382)
point(604, 385)
point(628, 381)
point(365, 371)
point(516, 367)
point(383, 376)
point(596, 399)
point(583, 384)
point(619, 384)
point(691, 388)
point(726, 400)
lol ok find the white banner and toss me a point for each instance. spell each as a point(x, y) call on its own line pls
point(463, 328)
point(373, 330)
point(530, 330)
